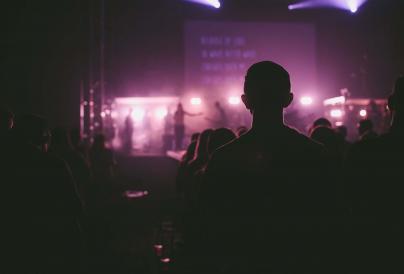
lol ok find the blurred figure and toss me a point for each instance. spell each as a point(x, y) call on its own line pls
point(344, 144)
point(128, 132)
point(102, 161)
point(374, 187)
point(42, 224)
point(179, 125)
point(365, 130)
point(329, 138)
point(219, 137)
point(320, 122)
point(257, 184)
point(77, 142)
point(220, 120)
point(62, 147)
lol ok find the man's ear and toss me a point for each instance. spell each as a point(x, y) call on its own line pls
point(288, 99)
point(246, 102)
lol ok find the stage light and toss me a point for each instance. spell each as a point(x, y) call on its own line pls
point(234, 100)
point(334, 101)
point(306, 100)
point(213, 3)
point(161, 113)
point(138, 114)
point(350, 5)
point(363, 113)
point(339, 123)
point(336, 113)
point(165, 260)
point(103, 114)
point(196, 101)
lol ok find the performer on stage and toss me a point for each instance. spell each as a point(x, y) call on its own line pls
point(128, 132)
point(179, 125)
point(220, 119)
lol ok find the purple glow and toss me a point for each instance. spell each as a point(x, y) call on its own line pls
point(350, 5)
point(196, 101)
point(234, 100)
point(334, 101)
point(165, 260)
point(213, 3)
point(133, 194)
point(363, 113)
point(306, 100)
point(336, 113)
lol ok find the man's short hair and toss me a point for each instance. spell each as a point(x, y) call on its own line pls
point(268, 81)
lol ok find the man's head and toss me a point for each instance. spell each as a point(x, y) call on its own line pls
point(365, 126)
point(267, 86)
point(396, 99)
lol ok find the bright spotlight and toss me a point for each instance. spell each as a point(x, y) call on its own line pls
point(363, 113)
point(336, 113)
point(161, 113)
point(213, 3)
point(306, 101)
point(196, 101)
point(234, 100)
point(351, 5)
point(138, 114)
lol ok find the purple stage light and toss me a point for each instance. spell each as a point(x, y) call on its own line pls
point(213, 3)
point(306, 100)
point(196, 101)
point(350, 5)
point(363, 113)
point(234, 100)
point(336, 113)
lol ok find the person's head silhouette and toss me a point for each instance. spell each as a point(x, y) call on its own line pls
point(267, 88)
point(266, 94)
point(396, 99)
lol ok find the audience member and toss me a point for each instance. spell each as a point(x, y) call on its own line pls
point(261, 188)
point(365, 130)
point(218, 138)
point(102, 161)
point(374, 187)
point(44, 229)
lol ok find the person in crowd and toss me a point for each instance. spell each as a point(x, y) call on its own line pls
point(179, 125)
point(219, 137)
point(102, 161)
point(78, 143)
point(256, 186)
point(62, 147)
point(344, 144)
point(365, 130)
point(374, 187)
point(43, 227)
point(320, 122)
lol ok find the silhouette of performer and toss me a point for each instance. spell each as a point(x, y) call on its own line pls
point(259, 188)
point(220, 120)
point(128, 132)
point(374, 189)
point(179, 125)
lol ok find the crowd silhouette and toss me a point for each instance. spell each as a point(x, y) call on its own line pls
point(265, 200)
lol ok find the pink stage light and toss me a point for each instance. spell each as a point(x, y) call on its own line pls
point(234, 100)
point(336, 113)
point(138, 114)
point(349, 5)
point(363, 113)
point(165, 260)
point(306, 100)
point(196, 101)
point(339, 123)
point(133, 194)
point(161, 113)
point(334, 101)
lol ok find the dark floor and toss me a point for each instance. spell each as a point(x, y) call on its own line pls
point(124, 230)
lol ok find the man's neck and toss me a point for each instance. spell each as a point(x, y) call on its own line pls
point(268, 122)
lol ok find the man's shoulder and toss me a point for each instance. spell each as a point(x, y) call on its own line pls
point(303, 142)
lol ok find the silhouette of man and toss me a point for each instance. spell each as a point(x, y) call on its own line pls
point(374, 187)
point(365, 129)
point(260, 187)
